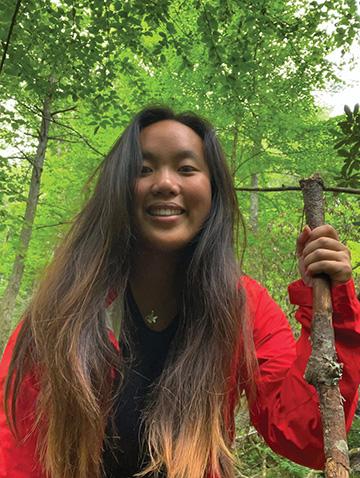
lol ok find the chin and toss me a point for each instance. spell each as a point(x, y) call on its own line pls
point(167, 245)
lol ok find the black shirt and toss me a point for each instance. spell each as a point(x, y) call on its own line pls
point(122, 456)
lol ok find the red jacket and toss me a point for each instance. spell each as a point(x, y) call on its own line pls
point(286, 412)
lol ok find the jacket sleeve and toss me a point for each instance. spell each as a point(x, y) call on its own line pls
point(286, 409)
point(18, 458)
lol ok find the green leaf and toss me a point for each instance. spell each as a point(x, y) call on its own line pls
point(343, 153)
point(355, 149)
point(341, 143)
point(348, 111)
point(171, 28)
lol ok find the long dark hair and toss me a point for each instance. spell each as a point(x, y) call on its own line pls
point(64, 335)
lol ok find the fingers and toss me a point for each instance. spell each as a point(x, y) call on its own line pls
point(320, 251)
point(302, 239)
point(323, 231)
point(327, 255)
point(323, 244)
point(339, 272)
point(326, 261)
point(308, 235)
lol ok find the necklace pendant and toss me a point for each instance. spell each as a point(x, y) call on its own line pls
point(151, 318)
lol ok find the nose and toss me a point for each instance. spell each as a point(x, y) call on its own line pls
point(166, 183)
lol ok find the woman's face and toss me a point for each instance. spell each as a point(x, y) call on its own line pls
point(173, 191)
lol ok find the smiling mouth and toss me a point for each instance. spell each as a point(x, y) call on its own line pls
point(165, 212)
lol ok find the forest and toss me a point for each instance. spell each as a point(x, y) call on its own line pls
point(72, 74)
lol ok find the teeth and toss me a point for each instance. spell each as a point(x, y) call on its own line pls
point(165, 212)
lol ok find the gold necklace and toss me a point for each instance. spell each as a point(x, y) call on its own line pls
point(151, 318)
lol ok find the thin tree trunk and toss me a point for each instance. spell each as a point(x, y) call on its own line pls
point(9, 298)
point(254, 196)
point(233, 159)
point(7, 43)
point(254, 204)
point(323, 371)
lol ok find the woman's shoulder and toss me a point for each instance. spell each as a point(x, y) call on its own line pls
point(253, 289)
point(259, 303)
point(18, 457)
point(31, 379)
point(8, 351)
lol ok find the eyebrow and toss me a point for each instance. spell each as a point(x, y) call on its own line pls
point(179, 155)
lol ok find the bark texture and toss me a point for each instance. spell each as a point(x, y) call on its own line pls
point(254, 204)
point(233, 159)
point(254, 196)
point(9, 298)
point(323, 371)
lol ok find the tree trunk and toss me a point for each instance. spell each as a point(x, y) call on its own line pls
point(323, 371)
point(233, 159)
point(9, 298)
point(254, 196)
point(254, 204)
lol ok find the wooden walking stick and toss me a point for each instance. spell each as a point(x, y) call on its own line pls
point(323, 371)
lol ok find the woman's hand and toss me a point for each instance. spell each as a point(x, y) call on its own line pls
point(320, 251)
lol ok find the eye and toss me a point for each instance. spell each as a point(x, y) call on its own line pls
point(145, 170)
point(187, 169)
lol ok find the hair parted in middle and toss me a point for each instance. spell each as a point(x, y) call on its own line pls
point(65, 334)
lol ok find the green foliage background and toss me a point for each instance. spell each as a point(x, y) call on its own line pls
point(249, 67)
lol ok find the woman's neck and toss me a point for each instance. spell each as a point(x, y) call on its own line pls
point(155, 281)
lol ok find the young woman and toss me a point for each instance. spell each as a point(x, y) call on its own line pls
point(158, 399)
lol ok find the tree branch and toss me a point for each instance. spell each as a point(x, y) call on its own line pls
point(79, 135)
point(296, 188)
point(42, 226)
point(13, 20)
point(32, 108)
point(72, 108)
point(248, 159)
point(323, 370)
point(241, 438)
point(25, 156)
point(63, 140)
